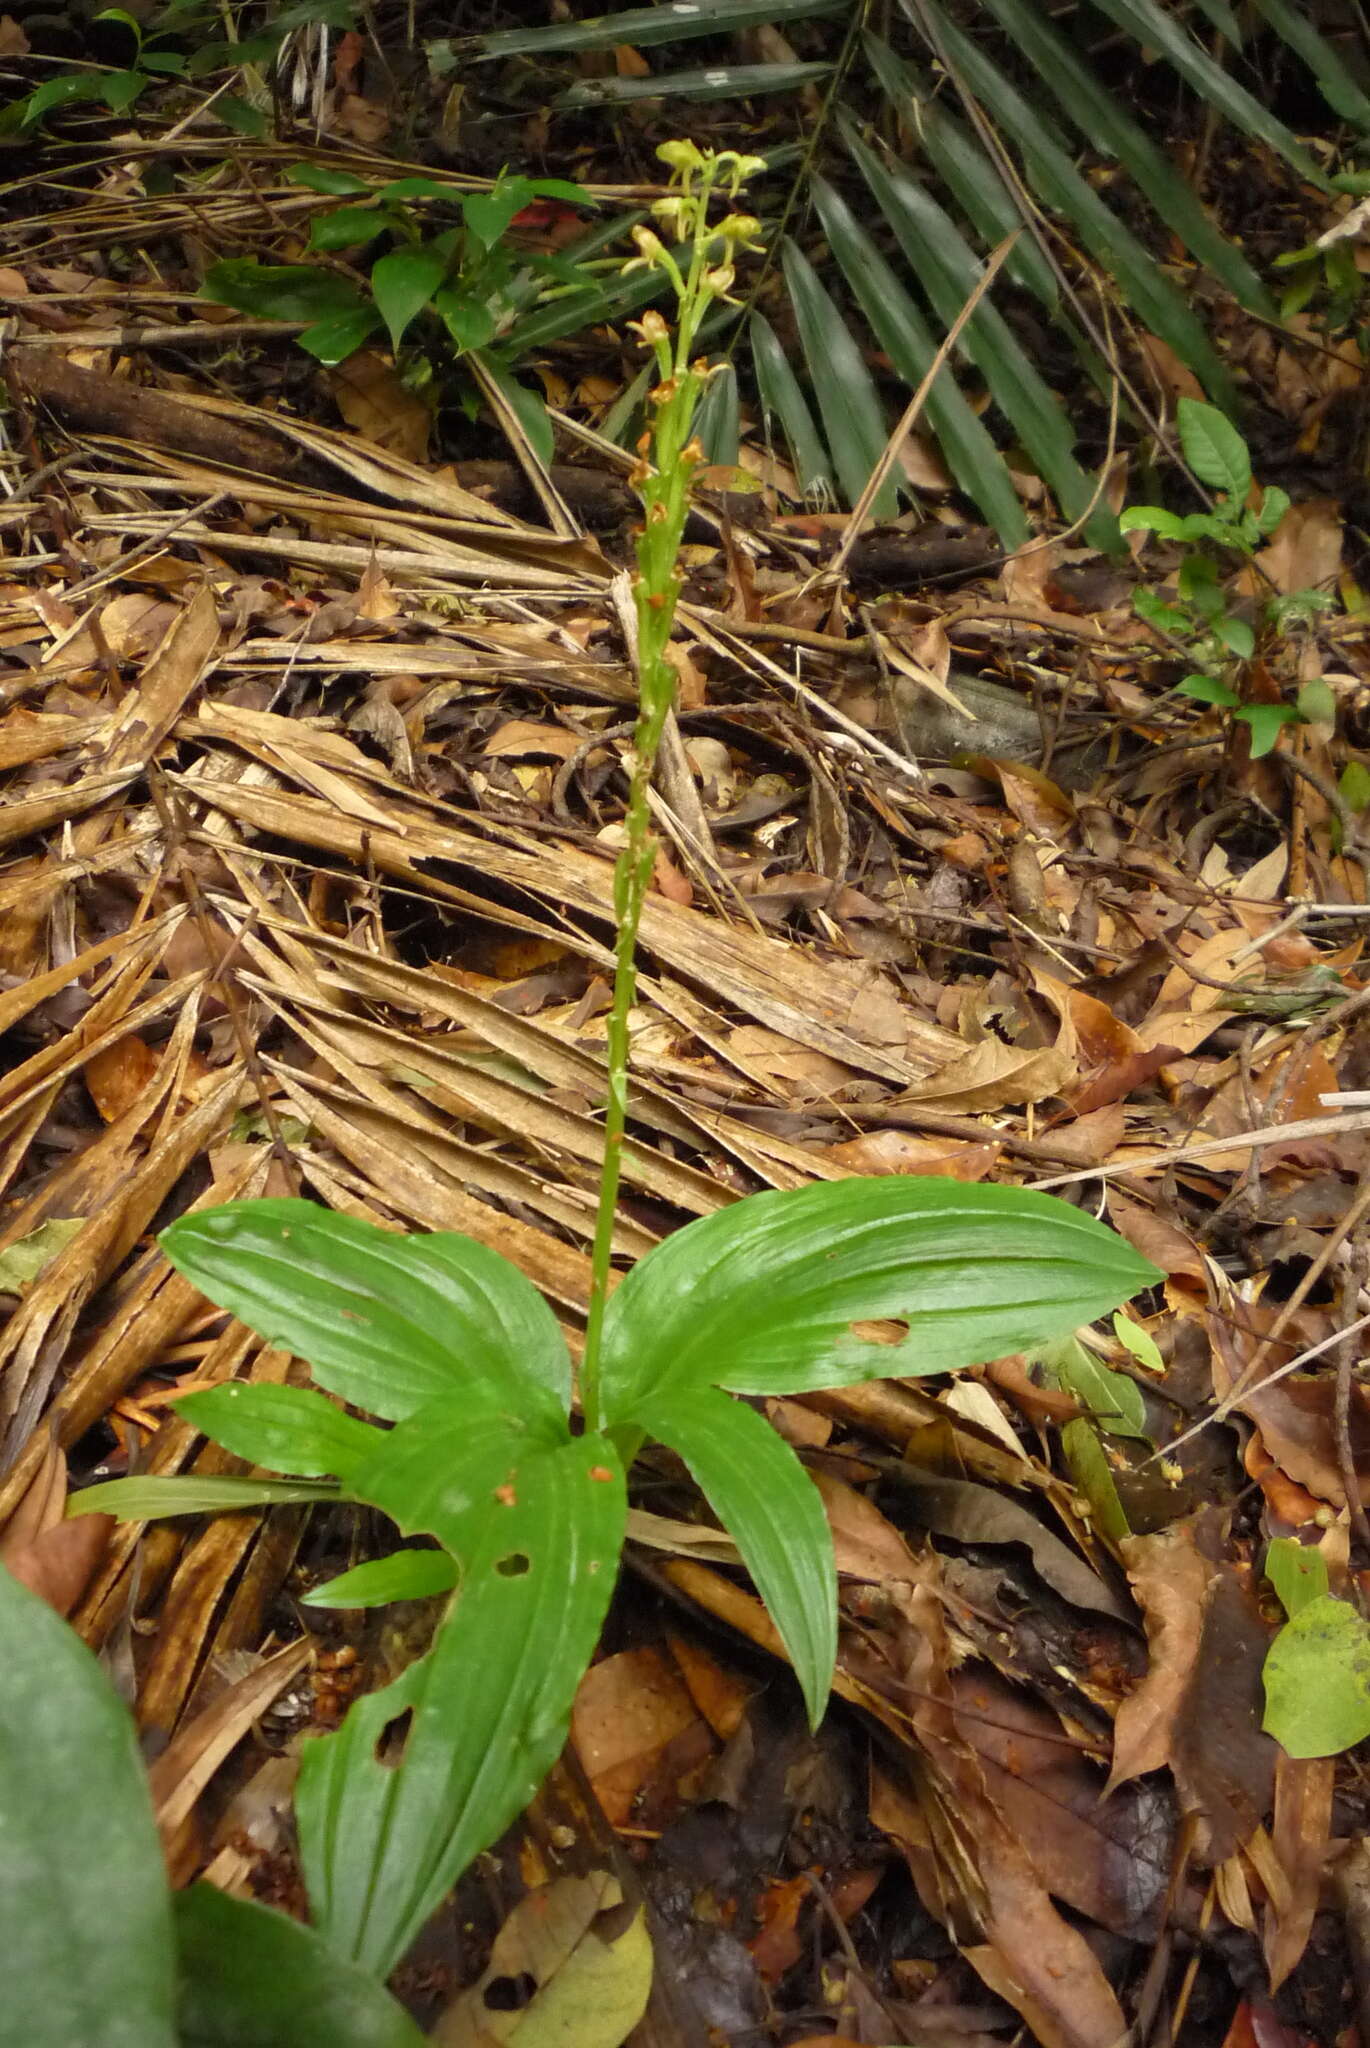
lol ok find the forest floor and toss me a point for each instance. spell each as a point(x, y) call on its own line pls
point(313, 733)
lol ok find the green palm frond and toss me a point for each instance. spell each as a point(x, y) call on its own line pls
point(991, 154)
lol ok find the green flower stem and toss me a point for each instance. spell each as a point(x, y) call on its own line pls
point(662, 480)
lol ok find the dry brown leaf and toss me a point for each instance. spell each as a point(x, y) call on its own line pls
point(992, 1076)
point(896, 1151)
point(629, 1710)
point(377, 404)
point(1169, 1578)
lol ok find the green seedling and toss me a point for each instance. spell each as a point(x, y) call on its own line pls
point(159, 52)
point(425, 253)
point(1218, 640)
point(1317, 1670)
point(512, 1503)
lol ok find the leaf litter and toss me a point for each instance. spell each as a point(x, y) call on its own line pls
point(315, 758)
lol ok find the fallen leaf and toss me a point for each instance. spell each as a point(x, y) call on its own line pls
point(589, 1957)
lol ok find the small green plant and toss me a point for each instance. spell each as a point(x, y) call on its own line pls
point(159, 52)
point(1317, 1670)
point(517, 1506)
point(459, 279)
point(1219, 641)
point(98, 1950)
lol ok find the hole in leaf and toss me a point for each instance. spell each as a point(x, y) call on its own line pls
point(510, 1994)
point(514, 1565)
point(390, 1742)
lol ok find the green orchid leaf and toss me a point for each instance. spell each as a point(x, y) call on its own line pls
point(253, 1978)
point(760, 1298)
point(405, 1575)
point(431, 1473)
point(425, 1774)
point(153, 1500)
point(403, 284)
point(1214, 450)
point(278, 291)
point(287, 1429)
point(772, 1510)
point(383, 1321)
point(83, 1892)
point(642, 27)
point(1092, 1475)
point(1317, 1680)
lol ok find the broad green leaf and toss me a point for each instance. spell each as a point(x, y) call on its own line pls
point(772, 1510)
point(62, 92)
point(1214, 450)
point(287, 1429)
point(488, 214)
point(1167, 617)
point(1267, 722)
point(1207, 690)
point(1157, 28)
point(643, 27)
point(335, 339)
point(170, 62)
point(153, 1500)
point(760, 1297)
point(431, 1473)
point(853, 417)
point(119, 89)
point(468, 320)
point(1151, 519)
point(1056, 181)
point(253, 1978)
point(782, 399)
point(1103, 119)
point(350, 227)
point(384, 1321)
point(418, 188)
point(1297, 1571)
point(481, 1718)
point(899, 327)
point(406, 1575)
point(1092, 1476)
point(1238, 636)
point(717, 82)
point(1317, 1680)
point(278, 291)
point(1333, 74)
point(325, 178)
point(403, 283)
point(83, 1892)
point(973, 181)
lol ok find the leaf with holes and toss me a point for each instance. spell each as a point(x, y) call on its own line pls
point(761, 1298)
point(478, 1722)
point(385, 1322)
